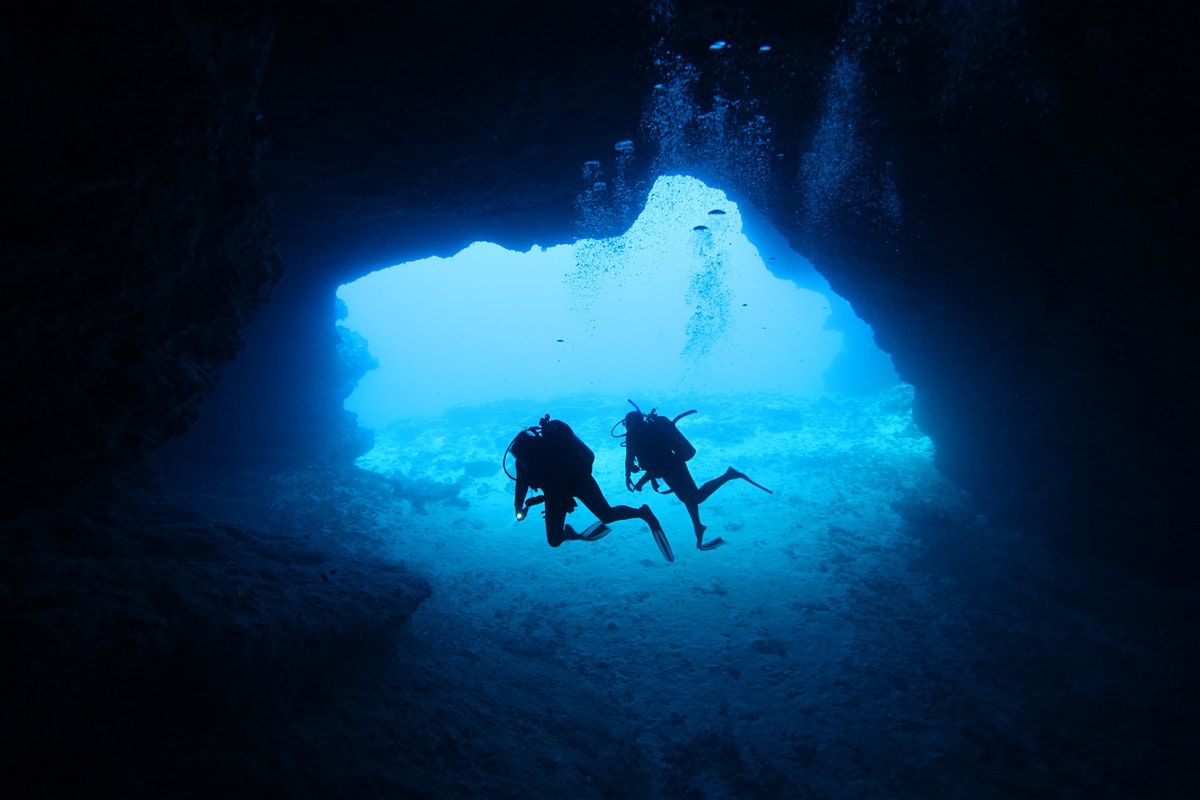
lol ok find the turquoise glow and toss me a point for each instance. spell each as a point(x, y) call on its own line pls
point(682, 312)
point(681, 305)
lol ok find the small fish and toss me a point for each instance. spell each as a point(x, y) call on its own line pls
point(716, 211)
point(700, 228)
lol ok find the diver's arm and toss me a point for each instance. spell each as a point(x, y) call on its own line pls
point(630, 468)
point(520, 492)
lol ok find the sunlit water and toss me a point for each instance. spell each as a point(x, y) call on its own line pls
point(607, 637)
point(609, 631)
point(681, 303)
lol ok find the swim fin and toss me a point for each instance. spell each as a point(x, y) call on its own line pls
point(660, 538)
point(595, 532)
point(664, 546)
point(739, 474)
point(713, 545)
point(759, 485)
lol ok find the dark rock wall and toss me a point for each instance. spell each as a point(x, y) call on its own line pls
point(136, 240)
point(400, 132)
point(1012, 222)
point(160, 643)
point(1002, 190)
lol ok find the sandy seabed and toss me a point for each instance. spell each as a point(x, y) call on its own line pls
point(864, 632)
point(390, 631)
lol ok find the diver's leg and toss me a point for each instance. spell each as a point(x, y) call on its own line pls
point(680, 479)
point(556, 515)
point(588, 492)
point(716, 483)
point(590, 495)
point(697, 526)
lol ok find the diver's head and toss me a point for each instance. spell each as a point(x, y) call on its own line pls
point(633, 419)
point(523, 446)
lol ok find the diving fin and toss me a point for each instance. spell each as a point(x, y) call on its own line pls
point(759, 485)
point(712, 545)
point(664, 546)
point(739, 474)
point(595, 532)
point(660, 538)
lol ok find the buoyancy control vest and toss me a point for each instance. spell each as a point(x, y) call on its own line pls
point(551, 453)
point(564, 449)
point(657, 444)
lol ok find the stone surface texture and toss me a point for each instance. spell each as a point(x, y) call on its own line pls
point(1001, 191)
point(136, 238)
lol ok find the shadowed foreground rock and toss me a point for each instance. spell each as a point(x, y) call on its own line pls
point(153, 648)
point(135, 243)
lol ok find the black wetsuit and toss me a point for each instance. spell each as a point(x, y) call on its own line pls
point(560, 465)
point(663, 452)
point(655, 445)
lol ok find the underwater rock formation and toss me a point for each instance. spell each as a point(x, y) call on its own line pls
point(136, 239)
point(165, 642)
point(1007, 217)
point(1004, 191)
point(998, 190)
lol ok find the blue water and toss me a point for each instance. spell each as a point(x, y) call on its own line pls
point(864, 631)
point(751, 643)
point(663, 309)
point(682, 312)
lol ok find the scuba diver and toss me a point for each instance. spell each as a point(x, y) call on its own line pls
point(655, 445)
point(552, 458)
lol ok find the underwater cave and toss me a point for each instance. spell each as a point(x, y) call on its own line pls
point(282, 285)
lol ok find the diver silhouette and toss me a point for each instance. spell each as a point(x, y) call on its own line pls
point(655, 445)
point(550, 457)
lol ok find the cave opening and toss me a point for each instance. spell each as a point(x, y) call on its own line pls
point(681, 304)
point(683, 311)
point(701, 305)
point(1003, 190)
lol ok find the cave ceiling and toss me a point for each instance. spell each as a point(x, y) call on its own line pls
point(1001, 190)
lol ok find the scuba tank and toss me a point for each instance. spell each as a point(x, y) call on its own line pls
point(657, 440)
point(549, 447)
